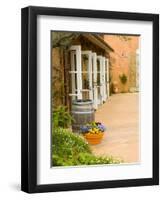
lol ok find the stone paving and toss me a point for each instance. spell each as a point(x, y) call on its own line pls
point(120, 114)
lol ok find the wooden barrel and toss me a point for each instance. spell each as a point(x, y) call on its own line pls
point(82, 112)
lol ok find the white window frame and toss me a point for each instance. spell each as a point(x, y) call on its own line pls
point(92, 75)
point(94, 67)
point(89, 71)
point(77, 52)
point(101, 79)
point(107, 77)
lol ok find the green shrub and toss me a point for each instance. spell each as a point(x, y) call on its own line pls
point(69, 149)
point(61, 117)
point(90, 159)
point(123, 78)
point(66, 146)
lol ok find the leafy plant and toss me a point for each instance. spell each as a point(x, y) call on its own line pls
point(90, 159)
point(69, 149)
point(123, 78)
point(61, 117)
point(66, 146)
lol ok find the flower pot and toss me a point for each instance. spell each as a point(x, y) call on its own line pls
point(94, 138)
point(115, 87)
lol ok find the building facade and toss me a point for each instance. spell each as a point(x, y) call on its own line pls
point(80, 68)
point(86, 66)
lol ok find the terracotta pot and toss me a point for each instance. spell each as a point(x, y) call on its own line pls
point(94, 138)
point(115, 87)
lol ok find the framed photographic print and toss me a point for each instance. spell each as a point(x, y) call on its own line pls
point(90, 99)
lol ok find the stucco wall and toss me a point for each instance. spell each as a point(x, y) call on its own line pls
point(123, 60)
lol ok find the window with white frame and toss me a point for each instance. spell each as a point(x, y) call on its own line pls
point(89, 76)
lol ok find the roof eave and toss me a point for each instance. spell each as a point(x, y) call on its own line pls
point(98, 41)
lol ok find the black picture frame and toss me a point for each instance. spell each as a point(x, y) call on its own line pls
point(29, 99)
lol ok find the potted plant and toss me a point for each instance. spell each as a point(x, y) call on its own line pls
point(93, 132)
point(115, 87)
point(123, 79)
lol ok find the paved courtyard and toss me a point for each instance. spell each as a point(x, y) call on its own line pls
point(120, 114)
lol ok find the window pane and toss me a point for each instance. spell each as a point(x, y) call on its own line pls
point(85, 95)
point(73, 82)
point(98, 65)
point(84, 62)
point(85, 81)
